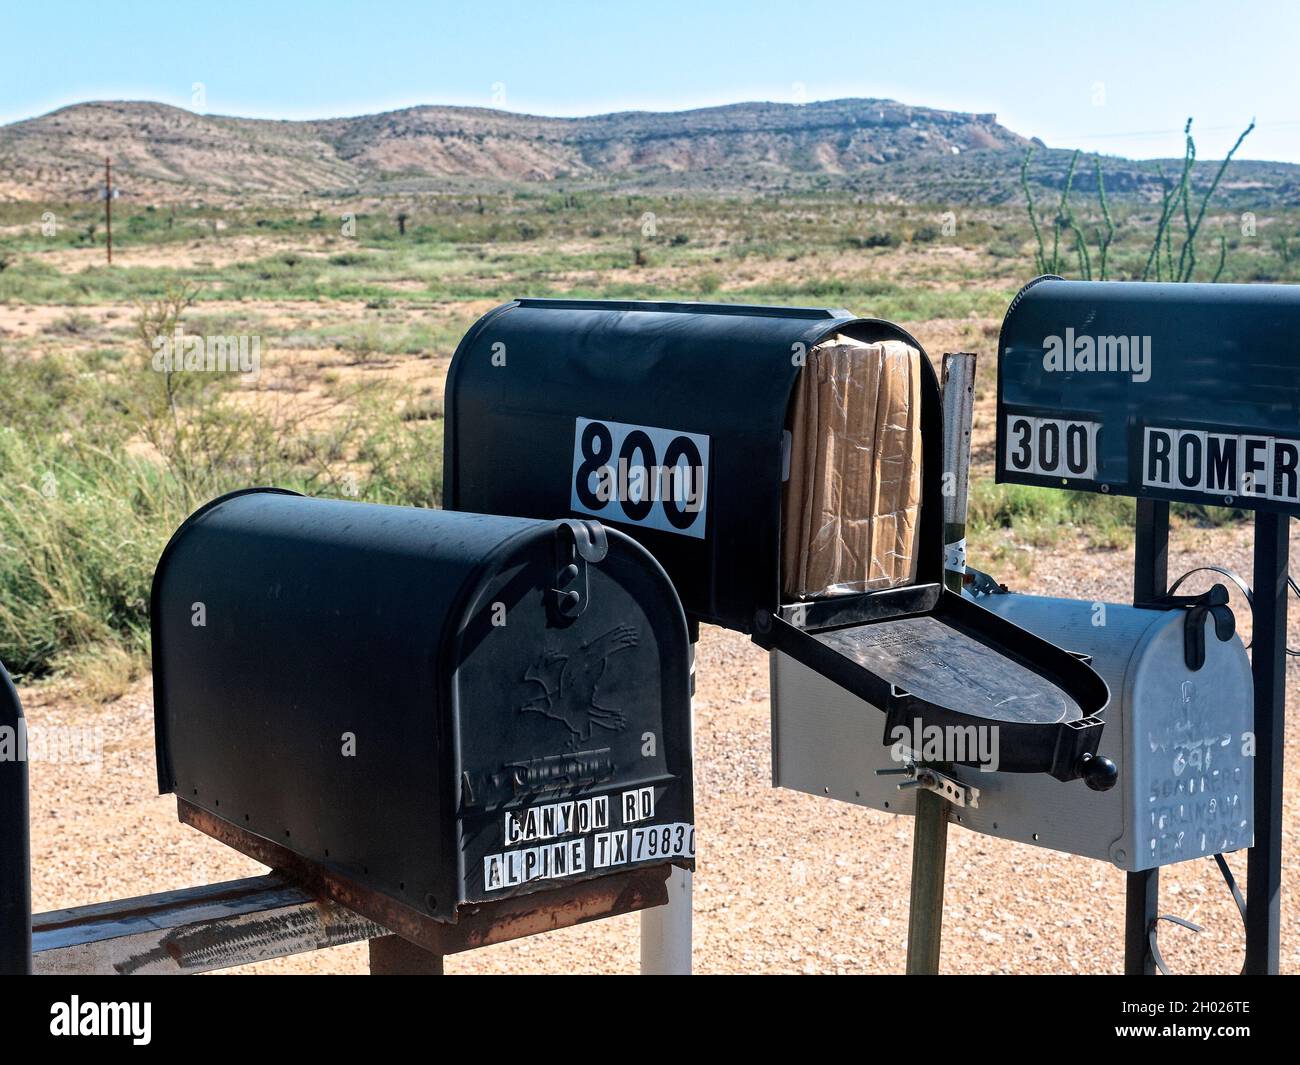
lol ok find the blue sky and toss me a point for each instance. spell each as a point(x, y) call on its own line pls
point(1105, 76)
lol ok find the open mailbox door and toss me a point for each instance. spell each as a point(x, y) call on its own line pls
point(594, 409)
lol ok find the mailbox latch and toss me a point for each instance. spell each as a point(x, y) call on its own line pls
point(576, 544)
point(1211, 604)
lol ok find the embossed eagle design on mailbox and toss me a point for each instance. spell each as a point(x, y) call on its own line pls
point(570, 684)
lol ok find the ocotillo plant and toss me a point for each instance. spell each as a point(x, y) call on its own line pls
point(1164, 261)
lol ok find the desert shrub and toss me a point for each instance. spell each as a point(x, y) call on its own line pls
point(102, 458)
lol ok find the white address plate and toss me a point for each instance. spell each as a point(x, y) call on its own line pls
point(641, 475)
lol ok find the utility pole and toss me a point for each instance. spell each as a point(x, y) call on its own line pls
point(108, 206)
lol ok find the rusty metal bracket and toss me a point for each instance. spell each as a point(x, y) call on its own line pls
point(476, 925)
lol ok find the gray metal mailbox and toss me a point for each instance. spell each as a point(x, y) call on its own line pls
point(441, 708)
point(1181, 738)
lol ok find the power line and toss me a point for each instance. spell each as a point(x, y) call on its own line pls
point(1286, 124)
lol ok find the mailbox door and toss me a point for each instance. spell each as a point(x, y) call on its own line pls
point(953, 666)
point(573, 733)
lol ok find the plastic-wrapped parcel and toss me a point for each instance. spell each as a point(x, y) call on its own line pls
point(852, 500)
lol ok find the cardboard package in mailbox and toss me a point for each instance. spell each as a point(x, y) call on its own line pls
point(852, 500)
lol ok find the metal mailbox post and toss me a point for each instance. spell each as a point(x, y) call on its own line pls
point(1167, 393)
point(422, 712)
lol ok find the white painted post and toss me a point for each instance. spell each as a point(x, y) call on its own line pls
point(666, 930)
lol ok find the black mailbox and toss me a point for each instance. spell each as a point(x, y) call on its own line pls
point(442, 708)
point(1164, 391)
point(550, 403)
point(542, 392)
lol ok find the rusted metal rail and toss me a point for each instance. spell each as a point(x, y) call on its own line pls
point(301, 908)
point(476, 925)
point(194, 930)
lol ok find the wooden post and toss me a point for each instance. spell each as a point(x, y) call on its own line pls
point(108, 207)
point(929, 861)
point(930, 829)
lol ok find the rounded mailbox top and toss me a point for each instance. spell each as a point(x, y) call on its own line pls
point(542, 392)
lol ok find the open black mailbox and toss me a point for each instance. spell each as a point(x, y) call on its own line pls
point(444, 709)
point(784, 465)
point(1182, 392)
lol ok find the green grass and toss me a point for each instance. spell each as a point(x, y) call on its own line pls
point(459, 247)
point(1041, 516)
point(84, 517)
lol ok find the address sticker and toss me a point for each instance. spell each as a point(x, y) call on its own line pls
point(1221, 465)
point(1051, 447)
point(656, 478)
point(595, 844)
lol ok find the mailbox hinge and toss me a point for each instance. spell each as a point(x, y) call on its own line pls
point(577, 543)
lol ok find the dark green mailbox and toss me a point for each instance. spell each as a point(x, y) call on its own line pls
point(1164, 391)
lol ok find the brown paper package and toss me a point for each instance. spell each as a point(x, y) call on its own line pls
point(850, 508)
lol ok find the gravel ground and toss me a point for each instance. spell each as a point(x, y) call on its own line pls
point(786, 883)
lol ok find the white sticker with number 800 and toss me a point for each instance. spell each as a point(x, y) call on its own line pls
point(653, 477)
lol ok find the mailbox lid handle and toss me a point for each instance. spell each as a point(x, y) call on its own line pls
point(577, 544)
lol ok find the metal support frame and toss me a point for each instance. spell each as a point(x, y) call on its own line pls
point(477, 924)
point(1150, 580)
point(218, 926)
point(1268, 665)
point(301, 908)
point(194, 930)
point(958, 418)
